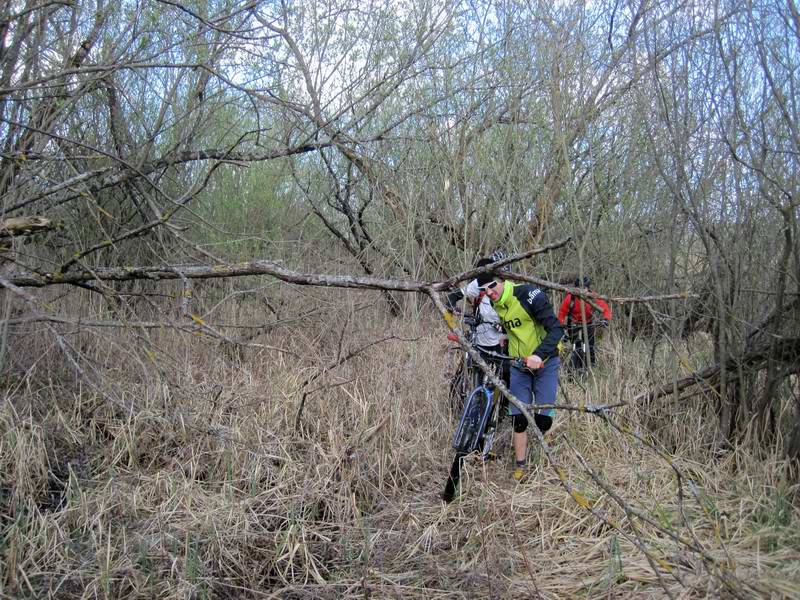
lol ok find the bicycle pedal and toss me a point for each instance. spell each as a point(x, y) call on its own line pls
point(489, 457)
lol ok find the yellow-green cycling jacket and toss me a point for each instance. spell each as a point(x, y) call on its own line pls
point(529, 321)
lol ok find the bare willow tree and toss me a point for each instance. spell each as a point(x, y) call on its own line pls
point(721, 142)
point(114, 127)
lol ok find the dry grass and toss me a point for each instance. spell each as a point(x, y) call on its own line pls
point(206, 488)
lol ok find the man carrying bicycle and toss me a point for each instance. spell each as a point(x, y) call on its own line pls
point(533, 335)
point(574, 313)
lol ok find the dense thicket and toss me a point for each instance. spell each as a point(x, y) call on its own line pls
point(401, 140)
point(662, 137)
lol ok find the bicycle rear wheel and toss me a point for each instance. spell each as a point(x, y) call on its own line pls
point(460, 386)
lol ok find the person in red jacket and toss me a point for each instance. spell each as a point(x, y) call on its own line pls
point(574, 313)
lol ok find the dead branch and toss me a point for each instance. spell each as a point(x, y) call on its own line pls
point(18, 226)
point(785, 350)
point(259, 267)
point(588, 297)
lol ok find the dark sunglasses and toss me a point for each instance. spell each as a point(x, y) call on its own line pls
point(489, 286)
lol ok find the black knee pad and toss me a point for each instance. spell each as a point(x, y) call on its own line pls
point(519, 422)
point(543, 422)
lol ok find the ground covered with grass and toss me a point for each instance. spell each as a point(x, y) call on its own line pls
point(302, 467)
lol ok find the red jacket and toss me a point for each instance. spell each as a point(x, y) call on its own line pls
point(577, 314)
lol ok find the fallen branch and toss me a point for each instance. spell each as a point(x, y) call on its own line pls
point(259, 267)
point(18, 226)
point(594, 295)
point(785, 350)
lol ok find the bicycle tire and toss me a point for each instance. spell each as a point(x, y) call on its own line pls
point(473, 420)
point(578, 355)
point(480, 411)
point(458, 390)
point(466, 379)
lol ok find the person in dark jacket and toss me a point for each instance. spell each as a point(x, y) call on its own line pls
point(534, 334)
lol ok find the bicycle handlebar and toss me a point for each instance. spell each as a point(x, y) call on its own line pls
point(512, 359)
point(496, 355)
point(598, 323)
point(472, 322)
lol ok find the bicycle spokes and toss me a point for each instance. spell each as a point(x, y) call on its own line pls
point(472, 425)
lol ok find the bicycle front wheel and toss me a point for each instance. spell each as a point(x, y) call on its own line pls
point(473, 420)
point(490, 431)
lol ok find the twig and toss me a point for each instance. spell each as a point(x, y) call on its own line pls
point(66, 348)
point(335, 364)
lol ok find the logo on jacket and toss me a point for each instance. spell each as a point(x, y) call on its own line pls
point(532, 294)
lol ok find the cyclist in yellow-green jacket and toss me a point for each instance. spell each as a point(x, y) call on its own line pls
point(533, 335)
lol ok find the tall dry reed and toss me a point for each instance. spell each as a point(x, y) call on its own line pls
point(182, 466)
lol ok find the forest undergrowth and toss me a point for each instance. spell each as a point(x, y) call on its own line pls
point(179, 465)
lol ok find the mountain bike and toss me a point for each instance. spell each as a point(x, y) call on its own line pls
point(581, 355)
point(480, 418)
point(577, 361)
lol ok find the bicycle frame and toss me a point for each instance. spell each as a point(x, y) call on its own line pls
point(479, 410)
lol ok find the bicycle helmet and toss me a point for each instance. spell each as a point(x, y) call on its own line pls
point(585, 283)
point(500, 255)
